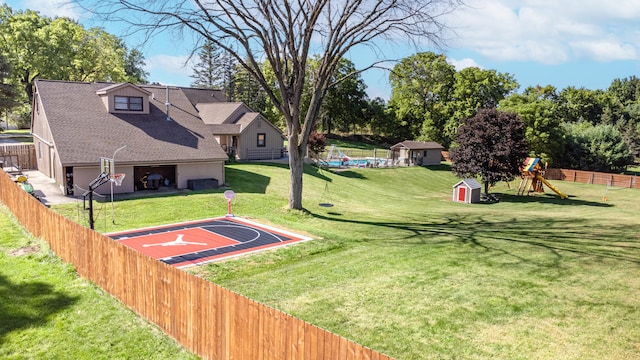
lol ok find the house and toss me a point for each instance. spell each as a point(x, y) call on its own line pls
point(148, 129)
point(244, 134)
point(467, 191)
point(410, 153)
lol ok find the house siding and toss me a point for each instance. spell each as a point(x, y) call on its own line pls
point(249, 141)
point(194, 171)
point(433, 158)
point(46, 156)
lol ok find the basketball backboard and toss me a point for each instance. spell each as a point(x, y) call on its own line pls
point(106, 166)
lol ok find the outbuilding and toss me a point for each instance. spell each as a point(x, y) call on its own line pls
point(467, 191)
point(412, 153)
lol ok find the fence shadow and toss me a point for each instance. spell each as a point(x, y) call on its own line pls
point(29, 304)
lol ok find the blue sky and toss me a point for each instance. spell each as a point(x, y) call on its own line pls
point(580, 43)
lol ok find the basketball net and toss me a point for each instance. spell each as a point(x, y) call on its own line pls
point(117, 179)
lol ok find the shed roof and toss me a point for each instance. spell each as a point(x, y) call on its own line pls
point(418, 145)
point(83, 130)
point(470, 183)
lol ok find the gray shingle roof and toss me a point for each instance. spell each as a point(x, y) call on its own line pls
point(418, 145)
point(471, 183)
point(228, 118)
point(203, 96)
point(83, 130)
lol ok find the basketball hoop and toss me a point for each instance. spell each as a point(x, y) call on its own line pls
point(117, 179)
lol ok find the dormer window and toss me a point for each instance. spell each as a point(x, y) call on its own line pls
point(128, 103)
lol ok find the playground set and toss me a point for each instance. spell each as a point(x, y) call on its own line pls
point(533, 179)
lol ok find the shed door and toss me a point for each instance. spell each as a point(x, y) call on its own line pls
point(462, 192)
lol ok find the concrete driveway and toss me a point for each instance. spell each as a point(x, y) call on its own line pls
point(47, 190)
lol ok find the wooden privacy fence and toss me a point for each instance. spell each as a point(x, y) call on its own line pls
point(19, 155)
point(211, 321)
point(590, 177)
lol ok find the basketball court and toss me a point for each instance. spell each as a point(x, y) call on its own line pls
point(199, 242)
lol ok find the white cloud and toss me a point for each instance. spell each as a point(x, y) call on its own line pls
point(170, 70)
point(174, 65)
point(53, 8)
point(463, 63)
point(605, 51)
point(549, 31)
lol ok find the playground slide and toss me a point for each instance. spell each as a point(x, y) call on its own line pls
point(555, 189)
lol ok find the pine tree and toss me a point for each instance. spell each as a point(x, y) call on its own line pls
point(214, 70)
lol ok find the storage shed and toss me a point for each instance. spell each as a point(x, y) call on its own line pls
point(467, 191)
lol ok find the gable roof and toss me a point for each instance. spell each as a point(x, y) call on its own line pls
point(117, 86)
point(83, 130)
point(229, 118)
point(221, 113)
point(418, 145)
point(470, 183)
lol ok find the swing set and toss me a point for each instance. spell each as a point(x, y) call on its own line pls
point(533, 179)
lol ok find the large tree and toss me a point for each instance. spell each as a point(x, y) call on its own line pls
point(595, 147)
point(490, 145)
point(422, 86)
point(214, 69)
point(345, 104)
point(475, 89)
point(61, 49)
point(286, 33)
point(134, 67)
point(538, 108)
point(8, 91)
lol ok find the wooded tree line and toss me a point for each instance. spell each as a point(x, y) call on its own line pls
point(32, 45)
point(574, 127)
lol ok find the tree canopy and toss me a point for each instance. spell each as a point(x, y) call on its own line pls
point(490, 145)
point(8, 91)
point(61, 49)
point(422, 86)
point(430, 97)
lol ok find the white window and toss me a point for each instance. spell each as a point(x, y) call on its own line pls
point(128, 103)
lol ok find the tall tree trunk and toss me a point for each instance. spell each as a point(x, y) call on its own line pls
point(296, 170)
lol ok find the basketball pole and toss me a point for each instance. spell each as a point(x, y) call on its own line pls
point(113, 159)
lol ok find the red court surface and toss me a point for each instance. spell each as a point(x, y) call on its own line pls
point(198, 242)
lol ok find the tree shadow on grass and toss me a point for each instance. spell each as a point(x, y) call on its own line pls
point(29, 304)
point(548, 199)
point(554, 236)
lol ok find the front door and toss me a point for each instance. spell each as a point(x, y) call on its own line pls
point(462, 192)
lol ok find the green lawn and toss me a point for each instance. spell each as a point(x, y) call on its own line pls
point(20, 135)
point(48, 312)
point(399, 267)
